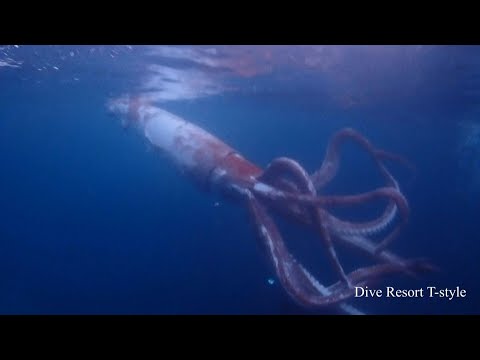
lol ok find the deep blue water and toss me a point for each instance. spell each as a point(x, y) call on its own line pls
point(92, 221)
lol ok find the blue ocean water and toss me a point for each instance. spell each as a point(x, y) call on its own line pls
point(93, 221)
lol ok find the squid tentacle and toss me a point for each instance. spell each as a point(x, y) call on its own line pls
point(345, 200)
point(298, 282)
point(386, 192)
point(367, 247)
point(331, 163)
point(283, 166)
point(330, 166)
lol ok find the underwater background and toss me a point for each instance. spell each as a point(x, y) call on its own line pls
point(92, 221)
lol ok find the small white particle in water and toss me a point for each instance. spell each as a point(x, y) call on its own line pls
point(72, 54)
point(56, 68)
point(76, 79)
point(216, 204)
point(271, 281)
point(16, 46)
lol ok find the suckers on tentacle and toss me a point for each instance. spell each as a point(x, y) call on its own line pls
point(284, 187)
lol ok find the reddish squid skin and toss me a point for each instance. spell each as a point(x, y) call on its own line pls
point(286, 188)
